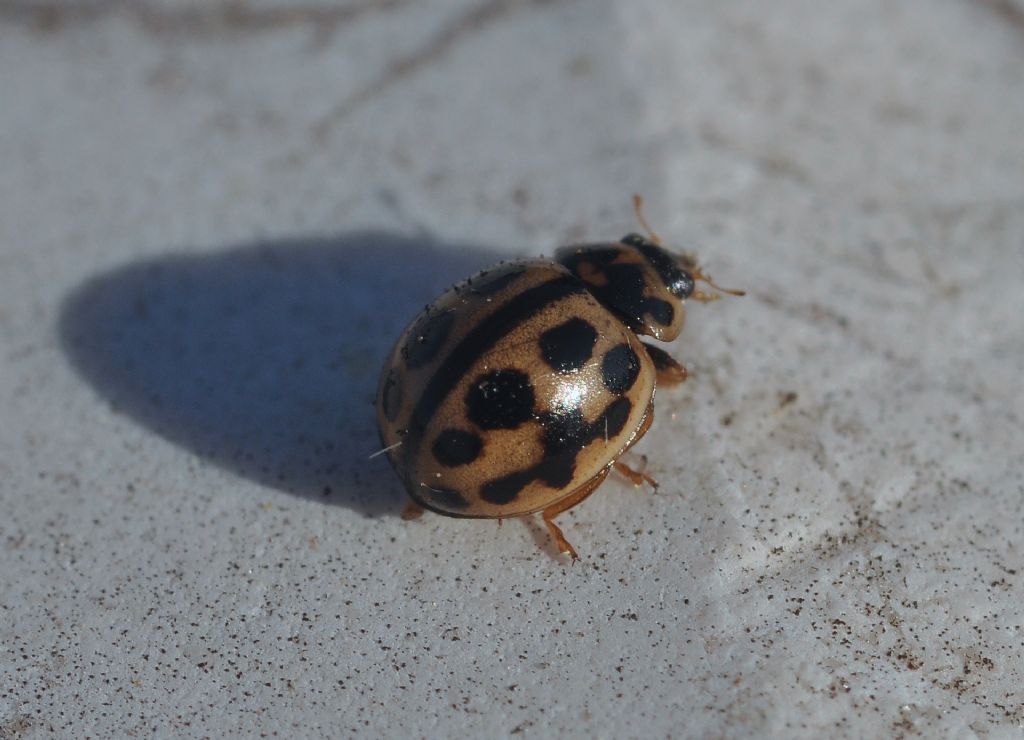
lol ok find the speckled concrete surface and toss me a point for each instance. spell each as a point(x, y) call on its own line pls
point(214, 220)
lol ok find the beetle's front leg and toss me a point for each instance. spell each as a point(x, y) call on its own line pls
point(670, 371)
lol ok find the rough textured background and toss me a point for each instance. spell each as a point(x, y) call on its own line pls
point(214, 220)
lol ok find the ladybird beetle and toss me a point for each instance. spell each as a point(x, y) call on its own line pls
point(518, 389)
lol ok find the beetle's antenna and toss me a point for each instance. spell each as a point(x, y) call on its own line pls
point(705, 278)
point(690, 261)
point(638, 209)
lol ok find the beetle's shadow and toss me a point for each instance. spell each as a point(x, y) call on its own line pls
point(264, 358)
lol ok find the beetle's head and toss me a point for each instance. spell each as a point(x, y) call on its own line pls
point(641, 281)
point(673, 271)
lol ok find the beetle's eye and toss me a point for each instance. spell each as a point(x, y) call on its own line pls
point(633, 240)
point(683, 285)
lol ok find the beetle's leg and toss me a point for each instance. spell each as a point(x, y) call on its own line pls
point(670, 371)
point(412, 511)
point(637, 478)
point(564, 505)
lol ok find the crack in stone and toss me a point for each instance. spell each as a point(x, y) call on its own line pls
point(817, 315)
point(198, 21)
point(474, 20)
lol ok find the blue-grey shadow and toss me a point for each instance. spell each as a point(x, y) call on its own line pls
point(264, 358)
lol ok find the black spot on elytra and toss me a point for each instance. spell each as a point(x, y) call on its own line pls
point(427, 337)
point(616, 416)
point(568, 346)
point(454, 447)
point(564, 436)
point(444, 498)
point(502, 399)
point(486, 333)
point(492, 281)
point(391, 395)
point(557, 471)
point(620, 368)
point(564, 430)
point(505, 489)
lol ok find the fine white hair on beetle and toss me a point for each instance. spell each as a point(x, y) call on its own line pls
point(386, 449)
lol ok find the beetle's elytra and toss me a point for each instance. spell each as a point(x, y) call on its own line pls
point(518, 389)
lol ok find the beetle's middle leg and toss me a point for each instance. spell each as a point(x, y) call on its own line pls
point(635, 476)
point(564, 505)
point(669, 370)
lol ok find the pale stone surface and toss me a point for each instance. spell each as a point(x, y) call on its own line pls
point(215, 219)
